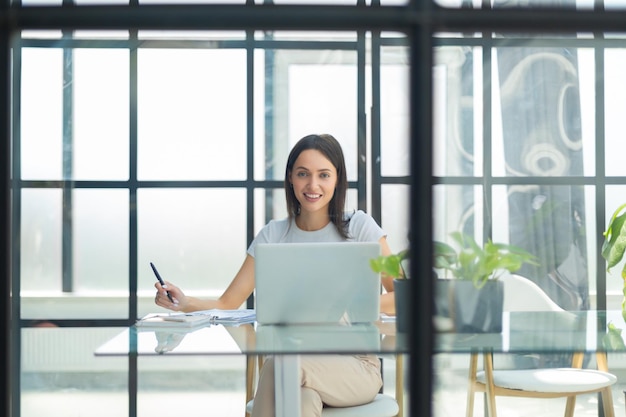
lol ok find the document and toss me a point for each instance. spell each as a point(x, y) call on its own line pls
point(173, 320)
point(197, 318)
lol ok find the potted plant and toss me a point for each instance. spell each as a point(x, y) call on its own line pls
point(476, 296)
point(392, 266)
point(614, 246)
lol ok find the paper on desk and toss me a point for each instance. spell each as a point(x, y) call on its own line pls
point(384, 318)
point(173, 320)
point(231, 317)
point(198, 318)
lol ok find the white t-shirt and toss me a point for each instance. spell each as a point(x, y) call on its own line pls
point(361, 228)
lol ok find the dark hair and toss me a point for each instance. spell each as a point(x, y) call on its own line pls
point(331, 149)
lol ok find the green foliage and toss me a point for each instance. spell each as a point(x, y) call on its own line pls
point(613, 340)
point(614, 246)
point(479, 264)
point(615, 240)
point(390, 265)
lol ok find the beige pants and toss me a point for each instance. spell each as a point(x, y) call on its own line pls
point(332, 380)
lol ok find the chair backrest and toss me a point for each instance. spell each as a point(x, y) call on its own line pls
point(521, 294)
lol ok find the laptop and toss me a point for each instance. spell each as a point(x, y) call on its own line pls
point(316, 283)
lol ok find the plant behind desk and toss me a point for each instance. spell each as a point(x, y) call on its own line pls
point(476, 297)
point(614, 246)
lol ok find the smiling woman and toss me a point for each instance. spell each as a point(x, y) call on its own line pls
point(315, 188)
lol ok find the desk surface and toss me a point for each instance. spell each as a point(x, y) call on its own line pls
point(251, 339)
point(543, 332)
point(539, 332)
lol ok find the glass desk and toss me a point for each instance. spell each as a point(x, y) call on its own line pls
point(523, 332)
point(542, 331)
point(286, 343)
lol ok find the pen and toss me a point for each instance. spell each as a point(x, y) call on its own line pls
point(160, 280)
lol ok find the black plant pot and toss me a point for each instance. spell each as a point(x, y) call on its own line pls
point(477, 310)
point(402, 295)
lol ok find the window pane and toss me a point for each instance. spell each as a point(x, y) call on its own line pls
point(394, 109)
point(456, 112)
point(40, 243)
point(313, 92)
point(549, 221)
point(100, 108)
point(395, 215)
point(192, 114)
point(196, 237)
point(539, 124)
point(41, 122)
point(457, 208)
point(101, 241)
point(537, 113)
point(615, 102)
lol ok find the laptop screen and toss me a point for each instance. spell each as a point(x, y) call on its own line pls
point(316, 283)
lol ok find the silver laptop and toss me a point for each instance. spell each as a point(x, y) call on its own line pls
point(299, 283)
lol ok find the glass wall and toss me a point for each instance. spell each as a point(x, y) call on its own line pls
point(170, 147)
point(177, 147)
point(147, 139)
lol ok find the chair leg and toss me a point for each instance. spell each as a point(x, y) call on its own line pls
point(251, 364)
point(473, 368)
point(569, 406)
point(602, 361)
point(607, 402)
point(400, 384)
point(490, 388)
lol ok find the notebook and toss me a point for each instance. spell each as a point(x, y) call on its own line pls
point(299, 283)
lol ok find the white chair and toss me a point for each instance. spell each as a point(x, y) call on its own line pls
point(383, 405)
point(521, 294)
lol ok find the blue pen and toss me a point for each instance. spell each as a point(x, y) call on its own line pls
point(160, 280)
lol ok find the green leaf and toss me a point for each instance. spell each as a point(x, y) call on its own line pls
point(613, 339)
point(615, 239)
point(479, 264)
point(390, 265)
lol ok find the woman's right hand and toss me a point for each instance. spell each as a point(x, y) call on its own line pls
point(162, 300)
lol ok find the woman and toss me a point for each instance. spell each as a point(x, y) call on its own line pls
point(315, 185)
